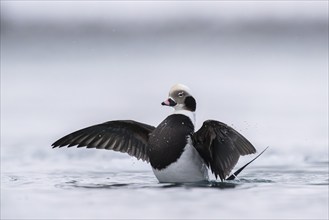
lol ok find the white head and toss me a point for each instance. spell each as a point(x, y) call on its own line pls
point(180, 98)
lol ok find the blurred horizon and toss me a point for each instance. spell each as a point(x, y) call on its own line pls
point(121, 18)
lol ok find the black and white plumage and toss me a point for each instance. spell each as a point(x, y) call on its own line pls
point(175, 152)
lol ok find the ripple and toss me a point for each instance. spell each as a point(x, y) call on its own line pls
point(145, 180)
point(115, 185)
point(204, 184)
point(256, 181)
point(102, 186)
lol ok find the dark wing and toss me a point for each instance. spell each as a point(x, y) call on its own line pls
point(125, 136)
point(220, 146)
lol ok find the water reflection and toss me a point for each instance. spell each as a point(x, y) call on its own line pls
point(152, 185)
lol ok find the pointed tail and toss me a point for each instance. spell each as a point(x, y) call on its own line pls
point(233, 176)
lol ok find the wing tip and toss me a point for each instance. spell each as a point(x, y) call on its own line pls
point(58, 144)
point(55, 144)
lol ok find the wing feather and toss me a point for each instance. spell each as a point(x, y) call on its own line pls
point(125, 136)
point(221, 146)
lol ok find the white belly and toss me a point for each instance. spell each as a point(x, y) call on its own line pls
point(188, 168)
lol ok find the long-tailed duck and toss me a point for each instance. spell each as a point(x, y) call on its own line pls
point(175, 152)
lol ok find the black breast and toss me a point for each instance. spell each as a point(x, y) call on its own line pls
point(167, 141)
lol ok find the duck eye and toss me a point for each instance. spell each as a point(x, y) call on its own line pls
point(180, 94)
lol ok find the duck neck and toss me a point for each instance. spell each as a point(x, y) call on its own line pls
point(187, 113)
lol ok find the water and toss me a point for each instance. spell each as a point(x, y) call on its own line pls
point(299, 192)
point(265, 76)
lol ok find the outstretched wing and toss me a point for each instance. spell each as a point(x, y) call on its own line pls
point(125, 136)
point(220, 146)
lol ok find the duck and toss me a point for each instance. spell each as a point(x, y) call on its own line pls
point(176, 152)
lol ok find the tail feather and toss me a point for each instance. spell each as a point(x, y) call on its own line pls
point(234, 175)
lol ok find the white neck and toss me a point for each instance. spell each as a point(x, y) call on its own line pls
point(187, 113)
